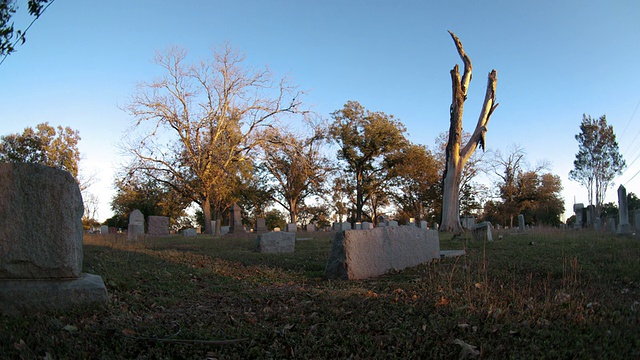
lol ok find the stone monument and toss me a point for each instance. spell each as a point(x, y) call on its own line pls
point(235, 219)
point(136, 225)
point(41, 242)
point(158, 226)
point(624, 227)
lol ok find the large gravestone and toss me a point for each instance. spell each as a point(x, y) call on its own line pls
point(41, 242)
point(624, 227)
point(235, 219)
point(521, 222)
point(578, 209)
point(158, 226)
point(276, 242)
point(360, 254)
point(261, 225)
point(136, 225)
point(482, 231)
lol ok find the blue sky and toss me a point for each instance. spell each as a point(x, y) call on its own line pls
point(555, 60)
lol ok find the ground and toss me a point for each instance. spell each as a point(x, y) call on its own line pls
point(550, 294)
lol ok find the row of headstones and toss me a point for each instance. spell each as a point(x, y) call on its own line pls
point(339, 226)
point(585, 216)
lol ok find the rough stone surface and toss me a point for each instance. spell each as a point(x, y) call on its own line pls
point(40, 223)
point(292, 228)
point(158, 226)
point(276, 242)
point(20, 296)
point(310, 228)
point(360, 254)
point(482, 231)
point(136, 225)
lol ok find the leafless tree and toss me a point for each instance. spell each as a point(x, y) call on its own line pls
point(458, 154)
point(198, 123)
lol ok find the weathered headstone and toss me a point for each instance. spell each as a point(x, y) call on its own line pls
point(261, 225)
point(104, 230)
point(357, 226)
point(224, 230)
point(158, 226)
point(611, 225)
point(276, 229)
point(113, 230)
point(369, 253)
point(41, 242)
point(136, 225)
point(467, 222)
point(276, 242)
point(235, 219)
point(578, 210)
point(310, 228)
point(636, 218)
point(590, 215)
point(521, 222)
point(624, 227)
point(189, 232)
point(423, 225)
point(392, 223)
point(412, 222)
point(292, 228)
point(482, 231)
point(367, 225)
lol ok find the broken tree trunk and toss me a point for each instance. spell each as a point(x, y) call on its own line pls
point(457, 155)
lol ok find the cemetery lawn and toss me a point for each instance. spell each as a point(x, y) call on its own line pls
point(539, 295)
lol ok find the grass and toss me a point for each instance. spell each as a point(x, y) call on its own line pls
point(549, 294)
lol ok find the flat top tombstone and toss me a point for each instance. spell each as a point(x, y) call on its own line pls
point(235, 219)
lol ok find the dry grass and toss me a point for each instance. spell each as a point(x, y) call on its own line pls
point(547, 294)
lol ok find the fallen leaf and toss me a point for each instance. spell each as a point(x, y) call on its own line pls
point(289, 327)
point(128, 332)
point(70, 328)
point(19, 345)
point(463, 326)
point(468, 350)
point(443, 301)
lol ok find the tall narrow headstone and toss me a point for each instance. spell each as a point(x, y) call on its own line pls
point(623, 212)
point(521, 222)
point(578, 210)
point(235, 219)
point(136, 225)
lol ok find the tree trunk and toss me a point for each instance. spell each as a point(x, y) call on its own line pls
point(293, 211)
point(359, 198)
point(456, 154)
point(206, 212)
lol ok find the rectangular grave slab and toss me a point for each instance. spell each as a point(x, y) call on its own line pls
point(361, 254)
point(276, 242)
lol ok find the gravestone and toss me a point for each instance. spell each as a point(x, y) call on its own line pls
point(636, 218)
point(104, 230)
point(521, 222)
point(224, 230)
point(467, 222)
point(276, 229)
point(310, 228)
point(624, 227)
point(158, 226)
point(357, 226)
point(214, 228)
point(423, 225)
point(113, 230)
point(611, 225)
point(189, 232)
point(392, 223)
point(368, 253)
point(578, 210)
point(412, 222)
point(276, 242)
point(235, 219)
point(41, 242)
point(482, 231)
point(136, 225)
point(590, 215)
point(367, 225)
point(261, 225)
point(292, 228)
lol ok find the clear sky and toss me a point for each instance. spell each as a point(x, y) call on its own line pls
point(555, 60)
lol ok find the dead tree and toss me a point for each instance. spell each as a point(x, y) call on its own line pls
point(457, 155)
